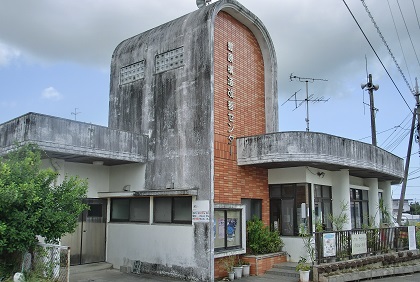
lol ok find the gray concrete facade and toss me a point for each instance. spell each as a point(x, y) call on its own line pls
point(161, 114)
point(175, 107)
point(73, 141)
point(324, 151)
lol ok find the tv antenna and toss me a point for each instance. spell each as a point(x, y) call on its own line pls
point(309, 98)
point(202, 3)
point(75, 113)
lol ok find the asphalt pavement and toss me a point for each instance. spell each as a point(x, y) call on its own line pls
point(102, 272)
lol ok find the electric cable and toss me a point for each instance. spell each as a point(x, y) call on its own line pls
point(396, 127)
point(399, 40)
point(409, 35)
point(377, 56)
point(415, 11)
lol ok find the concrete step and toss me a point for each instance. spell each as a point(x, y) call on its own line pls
point(75, 269)
point(286, 265)
point(275, 277)
point(283, 272)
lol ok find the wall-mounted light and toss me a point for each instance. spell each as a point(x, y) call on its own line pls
point(127, 188)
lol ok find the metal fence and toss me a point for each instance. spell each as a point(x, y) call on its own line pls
point(375, 241)
point(48, 263)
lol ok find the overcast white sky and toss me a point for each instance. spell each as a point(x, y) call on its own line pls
point(55, 57)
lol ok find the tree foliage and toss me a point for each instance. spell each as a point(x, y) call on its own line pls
point(32, 203)
point(415, 208)
point(260, 240)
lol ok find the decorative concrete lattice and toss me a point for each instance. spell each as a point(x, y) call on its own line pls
point(132, 72)
point(136, 266)
point(169, 60)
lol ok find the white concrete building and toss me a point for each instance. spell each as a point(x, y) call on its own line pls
point(193, 150)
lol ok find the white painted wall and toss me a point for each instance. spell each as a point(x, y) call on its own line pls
point(162, 244)
point(294, 247)
point(372, 183)
point(128, 174)
point(356, 181)
point(96, 175)
point(300, 175)
point(341, 194)
point(286, 175)
point(386, 195)
point(318, 176)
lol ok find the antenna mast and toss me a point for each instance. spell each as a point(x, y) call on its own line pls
point(75, 113)
point(308, 98)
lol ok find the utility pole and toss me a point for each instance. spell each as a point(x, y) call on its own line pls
point(416, 95)
point(370, 87)
point(416, 112)
point(407, 165)
point(308, 98)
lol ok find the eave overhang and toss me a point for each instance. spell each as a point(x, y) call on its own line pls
point(319, 150)
point(73, 141)
point(150, 193)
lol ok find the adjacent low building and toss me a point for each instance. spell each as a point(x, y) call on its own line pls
point(193, 150)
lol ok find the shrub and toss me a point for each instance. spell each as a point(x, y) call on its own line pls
point(260, 240)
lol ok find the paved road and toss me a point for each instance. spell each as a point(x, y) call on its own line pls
point(404, 278)
point(114, 275)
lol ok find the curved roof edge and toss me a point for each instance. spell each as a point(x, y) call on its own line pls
point(73, 141)
point(324, 151)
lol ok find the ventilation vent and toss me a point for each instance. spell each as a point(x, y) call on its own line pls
point(132, 72)
point(136, 267)
point(169, 60)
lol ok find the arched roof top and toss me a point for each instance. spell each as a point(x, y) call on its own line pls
point(196, 31)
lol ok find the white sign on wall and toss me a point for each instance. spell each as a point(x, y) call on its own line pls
point(329, 244)
point(201, 211)
point(412, 238)
point(358, 244)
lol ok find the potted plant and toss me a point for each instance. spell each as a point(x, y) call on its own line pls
point(227, 263)
point(246, 268)
point(304, 268)
point(237, 268)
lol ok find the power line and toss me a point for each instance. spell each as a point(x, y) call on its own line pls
point(386, 130)
point(399, 40)
point(415, 11)
point(409, 35)
point(377, 56)
point(400, 127)
point(397, 140)
point(386, 45)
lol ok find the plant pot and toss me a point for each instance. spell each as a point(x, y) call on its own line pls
point(245, 271)
point(238, 271)
point(231, 276)
point(304, 275)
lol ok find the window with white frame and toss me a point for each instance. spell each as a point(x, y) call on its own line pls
point(176, 210)
point(130, 209)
